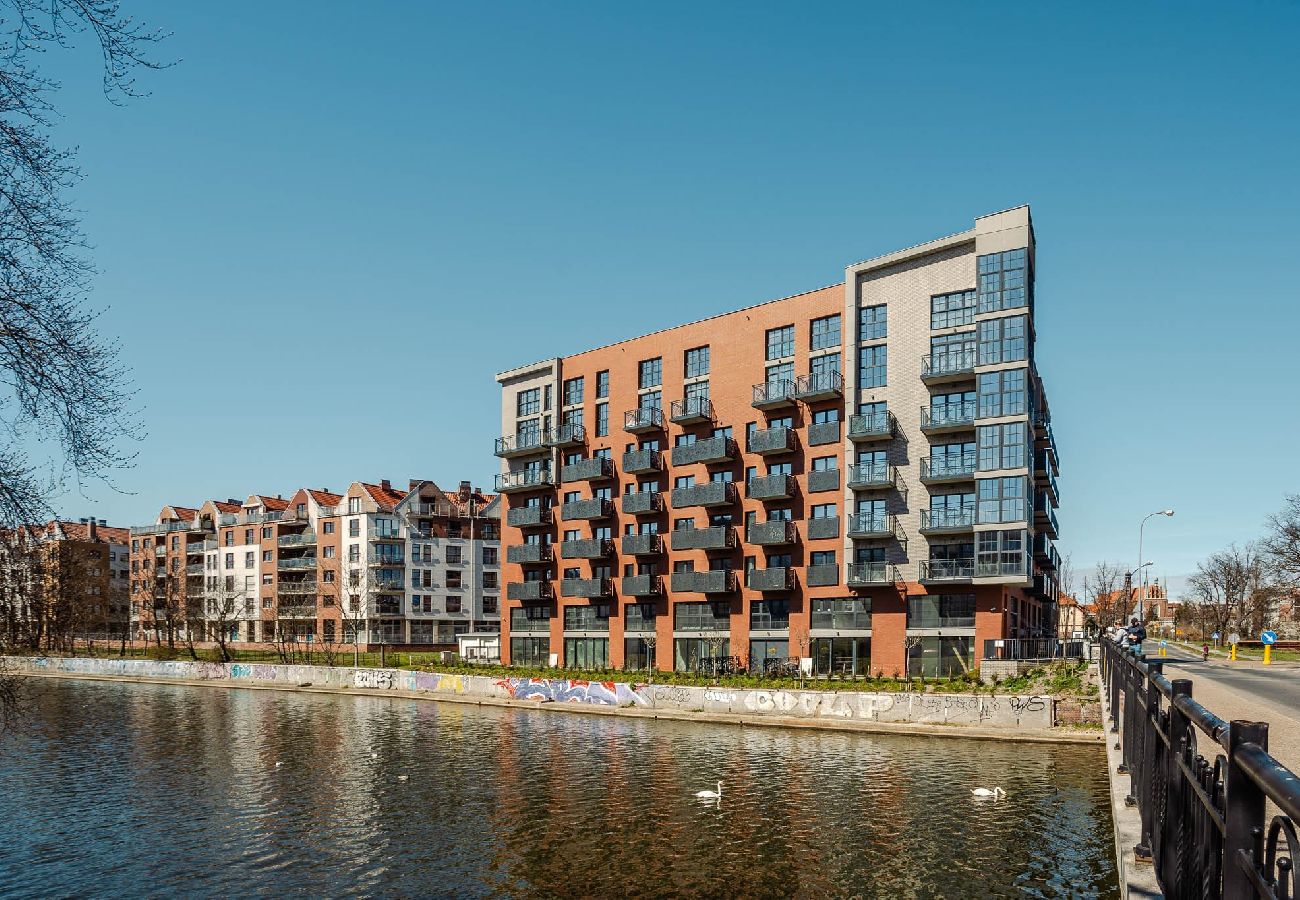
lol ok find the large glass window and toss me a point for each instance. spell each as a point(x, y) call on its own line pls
point(952, 310)
point(952, 352)
point(941, 611)
point(530, 618)
point(952, 459)
point(638, 653)
point(529, 402)
point(697, 390)
point(1000, 553)
point(697, 362)
point(602, 419)
point(842, 613)
point(825, 365)
point(841, 655)
point(701, 616)
point(1002, 340)
point(529, 651)
point(768, 654)
point(650, 400)
point(587, 618)
point(872, 323)
point(700, 654)
point(780, 372)
point(586, 652)
point(780, 342)
point(1004, 281)
point(602, 383)
point(1002, 393)
point(872, 366)
point(940, 657)
point(1003, 446)
point(769, 615)
point(573, 391)
point(825, 332)
point(640, 617)
point(650, 372)
point(1002, 499)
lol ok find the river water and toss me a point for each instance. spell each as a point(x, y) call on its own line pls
point(151, 790)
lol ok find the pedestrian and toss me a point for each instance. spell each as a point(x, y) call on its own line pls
point(1136, 635)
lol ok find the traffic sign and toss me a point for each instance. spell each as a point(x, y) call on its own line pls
point(1164, 644)
point(1215, 635)
point(1234, 638)
point(1268, 637)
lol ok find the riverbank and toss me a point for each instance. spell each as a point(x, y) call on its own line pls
point(1006, 717)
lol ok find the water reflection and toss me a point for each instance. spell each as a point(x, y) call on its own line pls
point(155, 789)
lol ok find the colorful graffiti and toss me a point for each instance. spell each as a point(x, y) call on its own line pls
point(563, 690)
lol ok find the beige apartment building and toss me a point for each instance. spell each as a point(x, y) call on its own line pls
point(863, 475)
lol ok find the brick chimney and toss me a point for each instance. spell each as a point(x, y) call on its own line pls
point(464, 490)
point(92, 529)
point(386, 485)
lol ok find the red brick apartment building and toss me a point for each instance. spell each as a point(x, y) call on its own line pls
point(863, 475)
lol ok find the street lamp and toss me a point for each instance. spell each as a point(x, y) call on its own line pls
point(1142, 593)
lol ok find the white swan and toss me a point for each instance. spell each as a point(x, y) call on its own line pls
point(403, 777)
point(985, 792)
point(710, 795)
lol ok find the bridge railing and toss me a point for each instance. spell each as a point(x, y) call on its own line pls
point(1201, 785)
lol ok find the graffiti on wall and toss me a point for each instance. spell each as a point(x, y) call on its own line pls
point(563, 690)
point(374, 678)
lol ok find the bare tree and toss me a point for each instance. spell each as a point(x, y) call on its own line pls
point(1281, 545)
point(1230, 592)
point(1102, 588)
point(223, 601)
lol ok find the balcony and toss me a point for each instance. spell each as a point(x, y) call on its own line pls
point(880, 426)
point(637, 462)
point(717, 537)
point(530, 591)
point(938, 419)
point(529, 554)
point(955, 365)
point(871, 574)
point(198, 547)
point(594, 469)
point(1045, 461)
point(195, 569)
point(568, 435)
point(770, 487)
point(867, 526)
point(586, 548)
point(939, 571)
point(937, 521)
point(774, 394)
point(821, 480)
point(522, 444)
point(586, 510)
point(296, 611)
point(720, 581)
point(589, 588)
point(306, 539)
point(942, 469)
point(821, 576)
point(639, 421)
point(1045, 517)
point(1044, 551)
point(776, 578)
point(296, 588)
point(1016, 567)
point(390, 586)
point(872, 476)
point(529, 517)
point(772, 441)
point(385, 559)
point(820, 433)
point(1046, 481)
point(711, 493)
point(771, 534)
point(822, 528)
point(717, 449)
point(642, 586)
point(515, 482)
point(818, 386)
point(691, 411)
point(642, 544)
point(642, 503)
point(299, 562)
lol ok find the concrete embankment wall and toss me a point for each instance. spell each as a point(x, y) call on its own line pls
point(1013, 713)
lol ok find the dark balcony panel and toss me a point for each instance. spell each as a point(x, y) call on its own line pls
point(1045, 517)
point(872, 476)
point(821, 529)
point(520, 444)
point(770, 487)
point(640, 420)
point(771, 441)
point(821, 576)
point(879, 426)
point(586, 548)
point(691, 411)
point(936, 520)
point(711, 493)
point(595, 508)
point(515, 482)
point(818, 386)
point(771, 534)
point(936, 571)
point(526, 591)
point(526, 554)
point(948, 417)
point(642, 586)
point(635, 462)
point(940, 469)
point(642, 544)
point(528, 516)
point(774, 394)
point(820, 433)
point(821, 480)
point(871, 573)
point(718, 537)
point(585, 587)
point(954, 365)
point(721, 581)
point(777, 578)
point(709, 450)
point(593, 469)
point(568, 435)
point(642, 503)
point(869, 526)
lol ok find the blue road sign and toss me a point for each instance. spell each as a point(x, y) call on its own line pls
point(1269, 637)
point(1215, 635)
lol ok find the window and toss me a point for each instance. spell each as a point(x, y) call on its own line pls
point(527, 403)
point(546, 397)
point(354, 506)
point(697, 362)
point(354, 528)
point(453, 604)
point(952, 352)
point(650, 400)
point(453, 554)
point(573, 391)
point(825, 463)
point(490, 605)
point(1003, 446)
point(354, 553)
point(941, 611)
point(602, 419)
point(780, 342)
point(1002, 393)
point(823, 416)
point(872, 325)
point(267, 556)
point(697, 390)
point(1002, 340)
point(952, 310)
point(489, 556)
point(268, 533)
point(250, 559)
point(587, 618)
point(780, 373)
point(769, 615)
point(824, 365)
point(230, 560)
point(822, 558)
point(872, 366)
point(327, 527)
point(1000, 553)
point(823, 511)
point(453, 578)
point(1004, 282)
point(825, 332)
point(490, 580)
point(650, 373)
point(1002, 499)
point(229, 536)
point(602, 384)
point(328, 552)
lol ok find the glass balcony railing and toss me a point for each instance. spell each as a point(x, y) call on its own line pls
point(947, 519)
point(945, 569)
point(1005, 565)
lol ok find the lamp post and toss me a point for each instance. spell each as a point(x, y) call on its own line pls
point(1128, 583)
point(1141, 528)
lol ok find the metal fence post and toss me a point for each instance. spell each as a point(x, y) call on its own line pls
point(1147, 777)
point(1244, 813)
point(1171, 838)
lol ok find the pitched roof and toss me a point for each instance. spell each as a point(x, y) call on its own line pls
point(324, 498)
point(273, 503)
point(226, 507)
point(80, 531)
point(386, 497)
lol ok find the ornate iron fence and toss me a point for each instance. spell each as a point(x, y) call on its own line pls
point(1201, 785)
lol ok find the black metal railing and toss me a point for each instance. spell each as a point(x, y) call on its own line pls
point(1201, 786)
point(1032, 649)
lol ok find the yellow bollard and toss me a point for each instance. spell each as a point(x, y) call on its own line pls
point(1268, 654)
point(1234, 652)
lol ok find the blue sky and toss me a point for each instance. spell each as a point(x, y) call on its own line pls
point(332, 223)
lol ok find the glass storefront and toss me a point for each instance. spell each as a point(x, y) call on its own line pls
point(940, 657)
point(529, 651)
point(768, 653)
point(638, 653)
point(841, 656)
point(586, 652)
point(692, 654)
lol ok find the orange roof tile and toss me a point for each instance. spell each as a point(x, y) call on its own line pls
point(385, 497)
point(324, 498)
